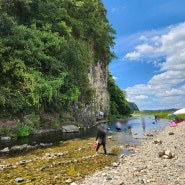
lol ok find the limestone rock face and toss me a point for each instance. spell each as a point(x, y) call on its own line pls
point(98, 76)
point(98, 79)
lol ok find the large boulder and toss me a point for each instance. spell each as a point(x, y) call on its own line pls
point(70, 128)
point(5, 138)
point(5, 150)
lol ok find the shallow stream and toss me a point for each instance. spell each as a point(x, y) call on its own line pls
point(73, 156)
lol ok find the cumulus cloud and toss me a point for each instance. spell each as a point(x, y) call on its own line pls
point(133, 56)
point(114, 77)
point(166, 89)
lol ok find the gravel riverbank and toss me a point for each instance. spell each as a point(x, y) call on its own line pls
point(159, 161)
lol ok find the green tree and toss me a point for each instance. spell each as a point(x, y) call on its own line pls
point(46, 49)
point(118, 102)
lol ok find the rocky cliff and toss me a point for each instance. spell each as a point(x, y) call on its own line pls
point(88, 114)
point(98, 79)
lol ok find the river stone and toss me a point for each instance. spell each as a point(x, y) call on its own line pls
point(160, 154)
point(119, 182)
point(108, 178)
point(73, 183)
point(114, 164)
point(5, 138)
point(141, 181)
point(149, 135)
point(5, 150)
point(45, 145)
point(157, 142)
point(22, 162)
point(68, 181)
point(19, 147)
point(19, 179)
point(165, 157)
point(70, 128)
point(171, 133)
point(169, 154)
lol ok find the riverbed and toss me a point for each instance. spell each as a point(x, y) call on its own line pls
point(72, 157)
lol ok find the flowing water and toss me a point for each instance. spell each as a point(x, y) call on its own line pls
point(139, 126)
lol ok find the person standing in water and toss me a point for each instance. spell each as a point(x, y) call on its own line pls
point(101, 139)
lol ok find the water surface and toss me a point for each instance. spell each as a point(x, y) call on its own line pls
point(139, 127)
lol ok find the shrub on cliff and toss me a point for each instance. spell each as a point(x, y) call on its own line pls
point(118, 103)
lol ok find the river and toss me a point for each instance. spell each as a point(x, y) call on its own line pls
point(139, 127)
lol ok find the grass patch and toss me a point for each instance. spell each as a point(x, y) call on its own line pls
point(116, 117)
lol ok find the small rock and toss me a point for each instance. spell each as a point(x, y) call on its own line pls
point(109, 137)
point(6, 138)
point(5, 150)
point(114, 164)
point(165, 157)
point(56, 177)
point(122, 156)
point(160, 154)
point(149, 135)
point(108, 178)
point(87, 157)
point(107, 168)
point(68, 181)
point(141, 181)
point(127, 146)
point(171, 133)
point(119, 182)
point(157, 142)
point(42, 169)
point(19, 179)
point(73, 183)
point(104, 174)
point(22, 162)
point(168, 153)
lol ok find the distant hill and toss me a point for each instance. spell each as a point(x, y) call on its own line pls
point(161, 110)
point(133, 107)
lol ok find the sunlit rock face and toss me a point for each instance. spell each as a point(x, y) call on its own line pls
point(98, 75)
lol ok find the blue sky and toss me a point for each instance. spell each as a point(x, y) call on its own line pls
point(150, 50)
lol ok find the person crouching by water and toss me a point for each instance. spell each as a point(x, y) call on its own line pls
point(101, 139)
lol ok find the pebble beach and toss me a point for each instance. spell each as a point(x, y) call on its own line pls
point(158, 161)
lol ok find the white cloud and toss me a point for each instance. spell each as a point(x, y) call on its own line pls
point(144, 49)
point(133, 55)
point(166, 89)
point(143, 38)
point(114, 77)
point(141, 97)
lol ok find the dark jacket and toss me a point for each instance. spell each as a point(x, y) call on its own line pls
point(101, 137)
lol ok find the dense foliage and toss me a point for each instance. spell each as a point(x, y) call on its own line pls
point(46, 48)
point(133, 107)
point(118, 102)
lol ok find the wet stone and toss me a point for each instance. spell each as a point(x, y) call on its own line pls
point(108, 178)
point(68, 181)
point(19, 179)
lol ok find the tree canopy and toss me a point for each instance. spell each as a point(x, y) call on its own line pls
point(133, 107)
point(46, 48)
